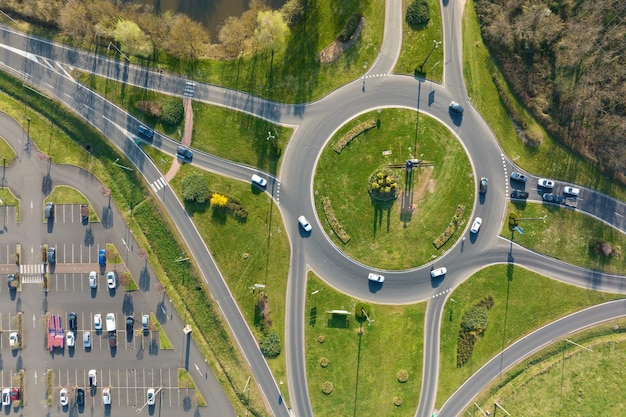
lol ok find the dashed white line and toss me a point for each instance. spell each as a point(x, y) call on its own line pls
point(617, 214)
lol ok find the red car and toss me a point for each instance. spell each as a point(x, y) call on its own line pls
point(15, 394)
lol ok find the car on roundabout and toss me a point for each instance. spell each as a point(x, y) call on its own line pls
point(375, 277)
point(482, 186)
point(304, 224)
point(571, 190)
point(476, 225)
point(439, 272)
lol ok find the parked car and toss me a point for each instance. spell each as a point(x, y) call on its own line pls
point(438, 272)
point(476, 225)
point(14, 340)
point(456, 107)
point(87, 340)
point(518, 176)
point(106, 396)
point(49, 210)
point(102, 257)
point(63, 398)
point(145, 322)
point(375, 277)
point(15, 394)
point(93, 378)
point(553, 198)
point(93, 279)
point(52, 258)
point(523, 195)
point(6, 396)
point(482, 186)
point(261, 182)
point(12, 282)
point(150, 396)
point(71, 321)
point(80, 396)
point(184, 153)
point(571, 190)
point(110, 322)
point(130, 322)
point(97, 321)
point(111, 280)
point(304, 223)
point(545, 183)
point(70, 339)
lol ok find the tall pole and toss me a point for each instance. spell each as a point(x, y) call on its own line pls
point(435, 46)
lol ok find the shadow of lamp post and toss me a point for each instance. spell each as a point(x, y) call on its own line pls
point(563, 364)
point(435, 46)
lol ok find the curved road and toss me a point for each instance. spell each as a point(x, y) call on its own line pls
point(48, 66)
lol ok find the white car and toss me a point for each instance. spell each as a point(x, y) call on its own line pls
point(70, 339)
point(518, 176)
point(110, 322)
point(106, 396)
point(571, 190)
point(111, 280)
point(304, 223)
point(93, 280)
point(93, 378)
point(6, 396)
point(375, 277)
point(14, 340)
point(476, 225)
point(150, 397)
point(97, 321)
point(545, 183)
point(261, 182)
point(87, 340)
point(63, 397)
point(438, 272)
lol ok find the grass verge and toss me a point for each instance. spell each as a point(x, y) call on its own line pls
point(8, 199)
point(362, 366)
point(550, 159)
point(385, 235)
point(69, 195)
point(514, 290)
point(164, 341)
point(565, 379)
point(419, 47)
point(565, 234)
point(185, 382)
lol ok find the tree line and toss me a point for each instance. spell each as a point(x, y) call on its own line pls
point(566, 61)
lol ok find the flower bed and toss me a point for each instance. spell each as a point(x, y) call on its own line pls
point(334, 223)
point(353, 133)
point(454, 223)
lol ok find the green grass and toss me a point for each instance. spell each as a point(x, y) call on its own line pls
point(70, 195)
point(243, 252)
point(381, 237)
point(565, 235)
point(516, 294)
point(229, 134)
point(6, 152)
point(362, 368)
point(564, 379)
point(184, 380)
point(8, 199)
point(162, 161)
point(550, 159)
point(164, 341)
point(417, 44)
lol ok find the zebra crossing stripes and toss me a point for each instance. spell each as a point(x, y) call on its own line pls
point(32, 279)
point(158, 184)
point(30, 270)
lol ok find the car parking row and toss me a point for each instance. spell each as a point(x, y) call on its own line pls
point(66, 213)
point(124, 387)
point(72, 253)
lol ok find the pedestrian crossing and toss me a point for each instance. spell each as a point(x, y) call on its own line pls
point(32, 279)
point(32, 269)
point(158, 184)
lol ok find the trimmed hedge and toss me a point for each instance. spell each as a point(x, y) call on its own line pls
point(454, 224)
point(353, 133)
point(334, 223)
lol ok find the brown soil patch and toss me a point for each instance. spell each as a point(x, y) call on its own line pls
point(424, 183)
point(335, 49)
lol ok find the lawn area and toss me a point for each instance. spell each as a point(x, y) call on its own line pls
point(6, 152)
point(69, 195)
point(385, 237)
point(550, 159)
point(418, 45)
point(565, 235)
point(565, 379)
point(254, 251)
point(516, 312)
point(363, 367)
point(8, 199)
point(226, 133)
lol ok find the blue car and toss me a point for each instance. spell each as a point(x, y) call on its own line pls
point(102, 257)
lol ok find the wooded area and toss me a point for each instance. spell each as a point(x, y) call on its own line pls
point(566, 61)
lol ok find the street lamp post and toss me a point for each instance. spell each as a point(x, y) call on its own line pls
point(117, 49)
point(435, 46)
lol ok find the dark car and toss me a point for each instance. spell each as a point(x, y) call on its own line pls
point(112, 340)
point(184, 153)
point(71, 321)
point(553, 198)
point(52, 255)
point(102, 257)
point(12, 281)
point(80, 396)
point(145, 131)
point(130, 322)
point(49, 210)
point(519, 194)
point(456, 107)
point(482, 186)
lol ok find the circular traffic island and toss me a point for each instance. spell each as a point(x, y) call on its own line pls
point(385, 204)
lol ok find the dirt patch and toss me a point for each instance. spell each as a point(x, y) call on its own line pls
point(425, 183)
point(335, 49)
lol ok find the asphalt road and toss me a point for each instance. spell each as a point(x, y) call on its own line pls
point(316, 122)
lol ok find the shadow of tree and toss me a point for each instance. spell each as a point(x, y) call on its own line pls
point(144, 279)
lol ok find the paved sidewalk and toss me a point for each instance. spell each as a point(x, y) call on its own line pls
point(171, 173)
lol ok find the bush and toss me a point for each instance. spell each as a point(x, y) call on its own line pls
point(475, 320)
point(402, 376)
point(324, 362)
point(353, 133)
point(149, 108)
point(397, 401)
point(349, 28)
point(418, 13)
point(270, 344)
point(327, 387)
point(173, 111)
point(195, 188)
point(383, 185)
point(334, 223)
point(321, 338)
point(218, 200)
point(454, 224)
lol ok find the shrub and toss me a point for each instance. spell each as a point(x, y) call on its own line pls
point(270, 344)
point(219, 200)
point(418, 13)
point(327, 387)
point(334, 223)
point(454, 224)
point(195, 188)
point(402, 375)
point(324, 362)
point(475, 320)
point(149, 108)
point(321, 338)
point(397, 401)
point(349, 28)
point(465, 347)
point(353, 133)
point(383, 185)
point(173, 111)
